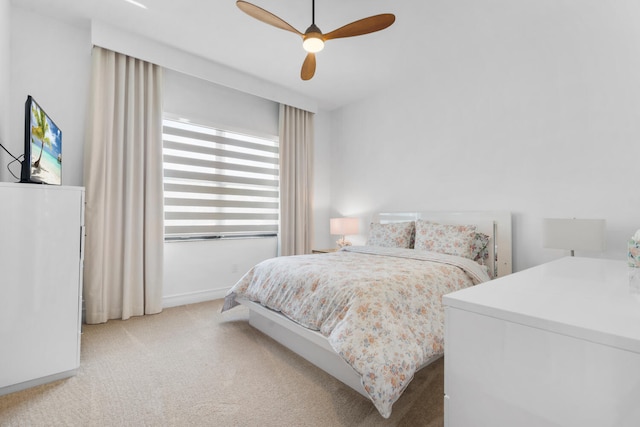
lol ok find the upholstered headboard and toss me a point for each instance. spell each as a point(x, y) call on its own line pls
point(496, 224)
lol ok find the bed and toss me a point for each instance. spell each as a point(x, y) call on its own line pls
point(371, 315)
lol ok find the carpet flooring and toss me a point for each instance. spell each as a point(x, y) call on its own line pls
point(194, 366)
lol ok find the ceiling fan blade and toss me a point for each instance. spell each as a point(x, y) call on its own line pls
point(267, 17)
point(363, 26)
point(308, 67)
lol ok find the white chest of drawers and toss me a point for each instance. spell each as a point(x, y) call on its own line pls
point(41, 242)
point(555, 345)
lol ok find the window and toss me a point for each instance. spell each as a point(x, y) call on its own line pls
point(218, 183)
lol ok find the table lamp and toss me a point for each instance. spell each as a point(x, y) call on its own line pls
point(573, 234)
point(343, 227)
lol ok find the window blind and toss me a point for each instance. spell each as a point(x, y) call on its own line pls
point(218, 183)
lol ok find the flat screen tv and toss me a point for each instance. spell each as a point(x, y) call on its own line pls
point(42, 162)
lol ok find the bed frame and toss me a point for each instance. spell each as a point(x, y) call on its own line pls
point(314, 347)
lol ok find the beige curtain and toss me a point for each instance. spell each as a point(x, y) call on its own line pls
point(123, 179)
point(296, 181)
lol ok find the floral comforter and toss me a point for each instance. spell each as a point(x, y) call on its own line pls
point(380, 308)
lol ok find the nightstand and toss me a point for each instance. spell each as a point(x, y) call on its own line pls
point(323, 251)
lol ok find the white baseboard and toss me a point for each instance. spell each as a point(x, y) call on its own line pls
point(181, 299)
point(37, 381)
point(193, 297)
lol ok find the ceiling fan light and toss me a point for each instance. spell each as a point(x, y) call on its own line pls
point(313, 43)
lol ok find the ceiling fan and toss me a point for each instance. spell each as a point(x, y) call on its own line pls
point(313, 40)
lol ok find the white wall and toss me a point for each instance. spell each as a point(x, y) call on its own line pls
point(536, 111)
point(53, 65)
point(211, 104)
point(5, 49)
point(205, 270)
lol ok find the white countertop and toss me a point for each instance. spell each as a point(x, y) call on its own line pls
point(591, 299)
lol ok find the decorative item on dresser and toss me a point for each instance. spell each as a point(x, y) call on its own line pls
point(573, 234)
point(368, 345)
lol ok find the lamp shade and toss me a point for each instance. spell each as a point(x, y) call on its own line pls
point(344, 226)
point(573, 234)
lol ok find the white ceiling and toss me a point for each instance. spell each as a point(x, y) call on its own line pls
point(347, 69)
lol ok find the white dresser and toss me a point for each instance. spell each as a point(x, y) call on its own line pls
point(554, 345)
point(41, 239)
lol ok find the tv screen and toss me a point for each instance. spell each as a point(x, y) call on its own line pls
point(42, 147)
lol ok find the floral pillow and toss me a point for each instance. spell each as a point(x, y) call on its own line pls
point(444, 238)
point(480, 248)
point(392, 235)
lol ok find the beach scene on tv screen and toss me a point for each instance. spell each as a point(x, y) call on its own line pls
point(46, 148)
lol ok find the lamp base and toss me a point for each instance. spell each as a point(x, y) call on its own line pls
point(343, 242)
